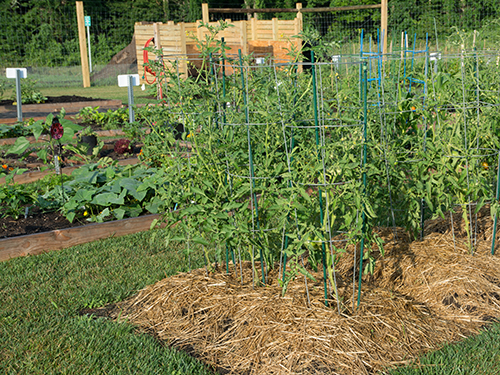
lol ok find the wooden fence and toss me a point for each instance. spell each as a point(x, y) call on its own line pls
point(260, 38)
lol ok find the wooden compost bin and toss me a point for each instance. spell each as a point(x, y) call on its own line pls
point(261, 38)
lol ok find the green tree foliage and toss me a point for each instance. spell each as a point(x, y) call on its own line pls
point(417, 16)
point(44, 32)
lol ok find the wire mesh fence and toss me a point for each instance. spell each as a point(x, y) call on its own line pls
point(46, 35)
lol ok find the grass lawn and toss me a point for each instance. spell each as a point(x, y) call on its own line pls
point(478, 355)
point(42, 333)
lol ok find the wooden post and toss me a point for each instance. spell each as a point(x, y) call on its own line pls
point(383, 25)
point(299, 22)
point(83, 44)
point(183, 66)
point(299, 16)
point(156, 34)
point(275, 29)
point(204, 12)
point(254, 28)
point(402, 43)
point(243, 38)
point(199, 32)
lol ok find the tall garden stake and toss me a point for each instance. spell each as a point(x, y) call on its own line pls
point(250, 161)
point(497, 196)
point(321, 220)
point(363, 215)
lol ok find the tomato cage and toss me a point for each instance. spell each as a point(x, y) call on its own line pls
point(270, 167)
point(297, 165)
point(438, 144)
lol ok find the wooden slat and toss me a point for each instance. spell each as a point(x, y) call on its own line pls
point(286, 27)
point(60, 239)
point(260, 26)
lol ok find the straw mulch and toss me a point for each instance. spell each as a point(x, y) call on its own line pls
point(421, 295)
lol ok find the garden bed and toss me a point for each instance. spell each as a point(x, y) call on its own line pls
point(71, 103)
point(58, 239)
point(421, 296)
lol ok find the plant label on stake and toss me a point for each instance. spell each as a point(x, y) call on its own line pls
point(17, 73)
point(129, 80)
point(88, 24)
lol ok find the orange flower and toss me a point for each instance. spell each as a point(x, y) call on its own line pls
point(413, 109)
point(11, 169)
point(4, 166)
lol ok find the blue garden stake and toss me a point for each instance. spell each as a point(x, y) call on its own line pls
point(363, 215)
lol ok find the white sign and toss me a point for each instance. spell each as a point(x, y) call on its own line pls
point(433, 56)
point(123, 80)
point(336, 60)
point(11, 72)
point(260, 60)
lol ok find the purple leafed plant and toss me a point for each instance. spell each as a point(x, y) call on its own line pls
point(122, 146)
point(56, 129)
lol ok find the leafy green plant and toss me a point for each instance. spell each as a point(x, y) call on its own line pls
point(111, 119)
point(29, 93)
point(23, 147)
point(105, 191)
point(14, 199)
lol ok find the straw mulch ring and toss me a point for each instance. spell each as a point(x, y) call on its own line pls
point(421, 295)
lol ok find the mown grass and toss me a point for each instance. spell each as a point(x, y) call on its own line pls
point(477, 355)
point(41, 331)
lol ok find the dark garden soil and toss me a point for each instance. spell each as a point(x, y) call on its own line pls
point(36, 221)
point(59, 99)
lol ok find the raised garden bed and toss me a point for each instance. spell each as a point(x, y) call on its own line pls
point(58, 239)
point(71, 103)
point(36, 175)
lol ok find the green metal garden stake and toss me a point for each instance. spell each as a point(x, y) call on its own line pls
point(250, 160)
point(285, 258)
point(497, 196)
point(363, 216)
point(224, 122)
point(321, 220)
